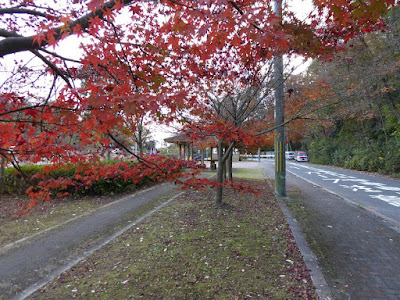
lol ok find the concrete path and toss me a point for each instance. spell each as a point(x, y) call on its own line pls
point(33, 263)
point(358, 252)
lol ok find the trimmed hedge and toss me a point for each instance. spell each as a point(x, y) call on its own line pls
point(14, 182)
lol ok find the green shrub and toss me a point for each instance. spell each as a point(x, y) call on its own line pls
point(320, 151)
point(341, 156)
point(361, 145)
point(15, 183)
point(392, 158)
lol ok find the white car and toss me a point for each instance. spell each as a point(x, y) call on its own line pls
point(290, 155)
point(301, 156)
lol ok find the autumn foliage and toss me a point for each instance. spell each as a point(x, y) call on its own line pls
point(106, 177)
point(138, 58)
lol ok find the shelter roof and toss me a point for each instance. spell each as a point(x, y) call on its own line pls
point(179, 139)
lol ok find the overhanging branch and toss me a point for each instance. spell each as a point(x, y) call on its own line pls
point(18, 10)
point(304, 114)
point(13, 44)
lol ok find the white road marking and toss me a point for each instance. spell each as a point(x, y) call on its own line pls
point(392, 200)
point(345, 186)
point(364, 188)
point(357, 185)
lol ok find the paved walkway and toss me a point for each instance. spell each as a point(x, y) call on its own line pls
point(358, 252)
point(33, 263)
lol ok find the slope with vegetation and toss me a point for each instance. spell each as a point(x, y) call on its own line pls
point(357, 124)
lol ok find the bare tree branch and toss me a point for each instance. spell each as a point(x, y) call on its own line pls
point(18, 10)
point(52, 66)
point(235, 6)
point(13, 44)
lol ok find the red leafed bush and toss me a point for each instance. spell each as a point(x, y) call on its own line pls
point(103, 178)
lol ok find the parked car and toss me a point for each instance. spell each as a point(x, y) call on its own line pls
point(290, 155)
point(301, 156)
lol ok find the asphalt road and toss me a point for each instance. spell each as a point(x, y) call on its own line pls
point(357, 251)
point(373, 192)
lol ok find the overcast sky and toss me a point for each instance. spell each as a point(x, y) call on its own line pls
point(69, 48)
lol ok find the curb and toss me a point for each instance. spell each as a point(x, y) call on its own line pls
point(323, 290)
point(322, 287)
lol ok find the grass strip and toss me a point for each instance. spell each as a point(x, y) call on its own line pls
point(244, 173)
point(248, 173)
point(191, 250)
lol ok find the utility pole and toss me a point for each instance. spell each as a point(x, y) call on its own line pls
point(280, 163)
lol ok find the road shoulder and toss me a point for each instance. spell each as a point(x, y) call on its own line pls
point(309, 257)
point(357, 251)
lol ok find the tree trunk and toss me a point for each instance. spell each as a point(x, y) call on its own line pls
point(140, 145)
point(222, 158)
point(224, 164)
point(229, 166)
point(109, 154)
point(220, 174)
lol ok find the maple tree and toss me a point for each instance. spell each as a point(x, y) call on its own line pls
point(142, 57)
point(232, 108)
